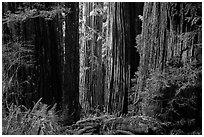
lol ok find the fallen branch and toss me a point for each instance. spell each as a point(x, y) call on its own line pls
point(123, 132)
point(84, 130)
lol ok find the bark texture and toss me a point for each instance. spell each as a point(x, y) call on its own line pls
point(70, 96)
point(92, 91)
point(167, 35)
point(120, 80)
point(121, 58)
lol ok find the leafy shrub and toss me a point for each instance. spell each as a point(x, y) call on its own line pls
point(174, 95)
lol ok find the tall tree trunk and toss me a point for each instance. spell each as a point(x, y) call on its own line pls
point(96, 57)
point(120, 31)
point(70, 98)
point(48, 59)
point(108, 46)
point(120, 81)
point(92, 47)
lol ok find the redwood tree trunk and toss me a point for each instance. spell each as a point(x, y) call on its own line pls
point(166, 34)
point(120, 32)
point(120, 81)
point(70, 98)
point(92, 90)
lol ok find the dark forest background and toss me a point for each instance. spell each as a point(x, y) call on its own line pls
point(102, 68)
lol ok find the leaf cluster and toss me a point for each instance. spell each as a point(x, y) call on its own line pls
point(27, 13)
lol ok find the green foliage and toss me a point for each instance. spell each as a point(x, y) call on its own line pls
point(97, 11)
point(193, 13)
point(175, 62)
point(87, 32)
point(17, 52)
point(27, 13)
point(139, 44)
point(174, 95)
point(23, 121)
point(16, 55)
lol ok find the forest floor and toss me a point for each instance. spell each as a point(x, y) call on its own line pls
point(131, 125)
point(39, 121)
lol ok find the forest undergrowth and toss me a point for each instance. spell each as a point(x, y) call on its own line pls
point(41, 121)
point(182, 82)
point(45, 120)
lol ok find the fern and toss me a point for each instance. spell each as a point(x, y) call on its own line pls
point(23, 121)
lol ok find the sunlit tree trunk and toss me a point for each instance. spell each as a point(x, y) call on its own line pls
point(92, 64)
point(108, 46)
